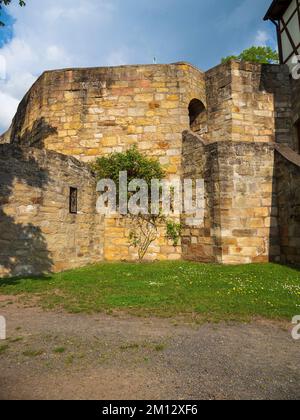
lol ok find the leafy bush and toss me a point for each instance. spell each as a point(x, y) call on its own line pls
point(132, 161)
point(262, 55)
point(144, 227)
point(174, 231)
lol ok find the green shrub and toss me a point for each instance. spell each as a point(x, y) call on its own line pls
point(144, 227)
point(174, 231)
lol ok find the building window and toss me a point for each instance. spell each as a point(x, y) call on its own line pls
point(73, 200)
point(198, 117)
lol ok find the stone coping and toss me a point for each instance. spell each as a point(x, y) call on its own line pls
point(229, 142)
point(122, 67)
point(17, 151)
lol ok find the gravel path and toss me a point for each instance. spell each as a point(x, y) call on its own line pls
point(50, 355)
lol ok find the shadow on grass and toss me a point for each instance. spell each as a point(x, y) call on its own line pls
point(14, 281)
point(295, 267)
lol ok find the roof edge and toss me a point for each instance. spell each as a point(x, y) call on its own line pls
point(277, 7)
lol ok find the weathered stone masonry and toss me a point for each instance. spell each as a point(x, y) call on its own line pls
point(230, 126)
point(90, 112)
point(38, 234)
point(240, 214)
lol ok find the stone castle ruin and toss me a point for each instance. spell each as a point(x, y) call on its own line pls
point(235, 126)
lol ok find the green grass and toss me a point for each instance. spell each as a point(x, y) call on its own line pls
point(59, 350)
point(160, 347)
point(211, 292)
point(3, 348)
point(33, 353)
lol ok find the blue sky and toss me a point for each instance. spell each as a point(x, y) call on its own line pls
point(50, 34)
point(6, 32)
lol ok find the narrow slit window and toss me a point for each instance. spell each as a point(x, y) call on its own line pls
point(73, 200)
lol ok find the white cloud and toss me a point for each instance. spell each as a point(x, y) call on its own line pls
point(119, 57)
point(58, 34)
point(8, 106)
point(261, 38)
point(49, 36)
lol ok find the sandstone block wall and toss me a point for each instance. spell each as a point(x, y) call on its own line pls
point(240, 224)
point(117, 243)
point(247, 226)
point(88, 113)
point(219, 98)
point(276, 81)
point(249, 102)
point(92, 112)
point(198, 242)
point(85, 113)
point(37, 232)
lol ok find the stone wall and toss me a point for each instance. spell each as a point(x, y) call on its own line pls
point(240, 224)
point(276, 80)
point(288, 192)
point(38, 233)
point(117, 242)
point(92, 112)
point(198, 242)
point(247, 226)
point(249, 102)
point(219, 102)
point(85, 113)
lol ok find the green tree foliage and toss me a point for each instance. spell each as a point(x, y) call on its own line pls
point(144, 227)
point(262, 55)
point(132, 161)
point(7, 3)
point(174, 231)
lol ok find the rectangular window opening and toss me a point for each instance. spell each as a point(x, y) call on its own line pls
point(73, 200)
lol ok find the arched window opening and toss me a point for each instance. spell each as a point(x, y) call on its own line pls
point(198, 117)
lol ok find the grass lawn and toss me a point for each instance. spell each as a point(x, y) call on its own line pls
point(209, 292)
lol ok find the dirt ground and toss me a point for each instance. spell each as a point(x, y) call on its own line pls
point(51, 355)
